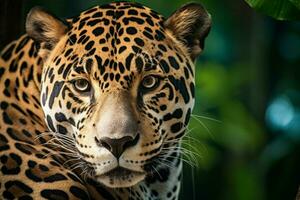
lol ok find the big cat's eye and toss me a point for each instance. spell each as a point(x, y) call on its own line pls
point(150, 82)
point(82, 85)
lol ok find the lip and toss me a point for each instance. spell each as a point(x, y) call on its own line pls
point(120, 173)
point(121, 177)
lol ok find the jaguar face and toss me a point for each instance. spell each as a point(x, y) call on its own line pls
point(118, 85)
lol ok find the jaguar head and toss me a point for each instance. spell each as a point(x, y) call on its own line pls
point(117, 85)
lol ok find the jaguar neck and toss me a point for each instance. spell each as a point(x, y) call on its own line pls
point(165, 183)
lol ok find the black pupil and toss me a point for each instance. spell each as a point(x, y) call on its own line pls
point(81, 84)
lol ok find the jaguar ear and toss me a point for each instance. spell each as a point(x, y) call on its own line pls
point(44, 28)
point(190, 24)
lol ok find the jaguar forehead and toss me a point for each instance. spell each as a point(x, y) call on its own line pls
point(110, 30)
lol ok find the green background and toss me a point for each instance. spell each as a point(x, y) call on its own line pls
point(245, 132)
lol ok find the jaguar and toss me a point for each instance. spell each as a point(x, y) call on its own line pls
point(95, 106)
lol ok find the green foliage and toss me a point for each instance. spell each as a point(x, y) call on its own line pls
point(279, 9)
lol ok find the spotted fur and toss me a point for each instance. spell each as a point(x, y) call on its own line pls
point(94, 107)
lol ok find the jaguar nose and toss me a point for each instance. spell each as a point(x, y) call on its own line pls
point(119, 145)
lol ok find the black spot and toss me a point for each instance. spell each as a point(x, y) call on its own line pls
point(121, 67)
point(60, 117)
point(139, 42)
point(24, 148)
point(154, 193)
point(148, 35)
point(173, 62)
point(180, 85)
point(176, 114)
point(105, 49)
point(89, 45)
point(7, 119)
point(139, 64)
point(7, 54)
point(118, 14)
point(94, 22)
point(186, 73)
point(176, 127)
point(131, 30)
point(162, 47)
point(187, 117)
point(3, 105)
point(26, 133)
point(97, 14)
point(169, 194)
point(68, 52)
point(43, 168)
point(192, 88)
point(88, 65)
point(29, 173)
point(22, 186)
point(99, 63)
point(78, 192)
point(121, 49)
point(15, 106)
point(54, 194)
point(159, 35)
point(16, 135)
point(164, 65)
point(74, 178)
point(23, 42)
point(128, 61)
point(133, 19)
point(25, 97)
point(3, 143)
point(61, 129)
point(73, 39)
point(2, 70)
point(11, 164)
point(8, 195)
point(163, 107)
point(23, 67)
point(54, 178)
point(50, 123)
point(13, 66)
point(132, 12)
point(67, 69)
point(55, 92)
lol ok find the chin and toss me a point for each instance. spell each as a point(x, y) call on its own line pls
point(121, 178)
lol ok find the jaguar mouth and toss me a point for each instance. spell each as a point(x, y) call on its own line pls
point(121, 177)
point(118, 172)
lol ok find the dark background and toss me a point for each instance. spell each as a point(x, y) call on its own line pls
point(244, 137)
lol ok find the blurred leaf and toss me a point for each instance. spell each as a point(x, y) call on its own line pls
point(240, 132)
point(296, 3)
point(279, 9)
point(245, 182)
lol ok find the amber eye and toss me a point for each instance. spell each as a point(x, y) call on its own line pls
point(150, 82)
point(82, 85)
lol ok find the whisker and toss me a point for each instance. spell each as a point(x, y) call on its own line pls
point(204, 126)
point(205, 117)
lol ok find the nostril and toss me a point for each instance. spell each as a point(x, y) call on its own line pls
point(105, 145)
point(131, 142)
